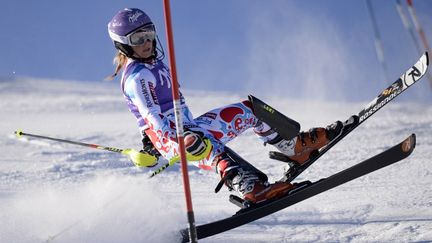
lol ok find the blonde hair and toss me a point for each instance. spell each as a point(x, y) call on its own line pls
point(120, 60)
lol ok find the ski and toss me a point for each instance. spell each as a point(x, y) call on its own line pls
point(247, 215)
point(407, 79)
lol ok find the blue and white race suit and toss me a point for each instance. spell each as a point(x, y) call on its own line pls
point(147, 89)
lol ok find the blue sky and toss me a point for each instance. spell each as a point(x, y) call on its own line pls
point(319, 49)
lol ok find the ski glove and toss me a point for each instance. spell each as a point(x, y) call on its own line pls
point(148, 146)
point(141, 159)
point(197, 146)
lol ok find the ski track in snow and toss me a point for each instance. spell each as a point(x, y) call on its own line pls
point(66, 193)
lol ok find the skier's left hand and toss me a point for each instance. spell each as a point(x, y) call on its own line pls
point(197, 146)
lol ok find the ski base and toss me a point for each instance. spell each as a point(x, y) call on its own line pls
point(283, 125)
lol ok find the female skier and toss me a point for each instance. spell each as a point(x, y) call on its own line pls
point(146, 85)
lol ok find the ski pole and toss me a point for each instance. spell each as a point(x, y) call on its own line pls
point(138, 158)
point(162, 168)
point(189, 157)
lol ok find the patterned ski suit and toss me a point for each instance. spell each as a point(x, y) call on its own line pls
point(147, 89)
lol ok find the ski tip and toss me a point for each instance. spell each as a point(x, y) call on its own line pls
point(408, 144)
point(18, 133)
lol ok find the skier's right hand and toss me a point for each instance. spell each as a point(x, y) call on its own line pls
point(197, 146)
point(141, 159)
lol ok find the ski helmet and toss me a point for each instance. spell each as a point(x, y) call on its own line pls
point(123, 25)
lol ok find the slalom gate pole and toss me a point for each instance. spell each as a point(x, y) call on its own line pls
point(378, 43)
point(407, 25)
point(420, 31)
point(418, 26)
point(179, 121)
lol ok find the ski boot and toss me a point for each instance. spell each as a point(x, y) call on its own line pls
point(248, 181)
point(306, 145)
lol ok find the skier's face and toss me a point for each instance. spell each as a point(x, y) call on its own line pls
point(143, 51)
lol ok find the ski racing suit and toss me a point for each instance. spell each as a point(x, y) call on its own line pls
point(147, 90)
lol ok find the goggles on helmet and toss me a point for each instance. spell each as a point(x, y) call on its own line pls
point(136, 37)
point(140, 36)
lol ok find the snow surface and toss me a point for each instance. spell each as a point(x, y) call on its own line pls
point(64, 193)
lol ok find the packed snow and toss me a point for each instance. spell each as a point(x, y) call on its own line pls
point(54, 192)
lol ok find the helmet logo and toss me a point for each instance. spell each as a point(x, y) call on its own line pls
point(134, 17)
point(116, 24)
